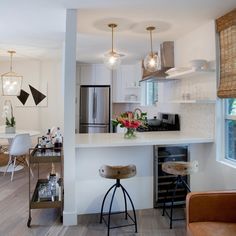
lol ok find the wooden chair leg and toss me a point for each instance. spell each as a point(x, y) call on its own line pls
point(13, 169)
point(27, 161)
point(8, 164)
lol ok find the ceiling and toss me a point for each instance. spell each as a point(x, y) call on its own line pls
point(36, 29)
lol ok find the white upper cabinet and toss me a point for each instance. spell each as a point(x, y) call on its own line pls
point(93, 74)
point(87, 75)
point(102, 75)
point(126, 87)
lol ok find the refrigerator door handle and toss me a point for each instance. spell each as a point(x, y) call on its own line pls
point(95, 105)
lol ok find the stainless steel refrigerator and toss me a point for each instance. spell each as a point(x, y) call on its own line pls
point(94, 109)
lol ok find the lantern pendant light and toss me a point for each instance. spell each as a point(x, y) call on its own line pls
point(112, 59)
point(151, 61)
point(11, 81)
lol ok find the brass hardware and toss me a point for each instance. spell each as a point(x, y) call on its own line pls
point(112, 26)
point(150, 29)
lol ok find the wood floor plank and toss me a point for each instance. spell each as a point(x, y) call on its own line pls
point(46, 222)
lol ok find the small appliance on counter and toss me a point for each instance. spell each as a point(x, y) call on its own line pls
point(165, 122)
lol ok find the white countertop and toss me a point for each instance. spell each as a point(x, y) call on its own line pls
point(142, 139)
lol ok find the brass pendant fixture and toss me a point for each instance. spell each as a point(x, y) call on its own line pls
point(11, 81)
point(151, 61)
point(112, 59)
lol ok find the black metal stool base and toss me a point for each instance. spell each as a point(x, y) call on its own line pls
point(125, 194)
point(178, 181)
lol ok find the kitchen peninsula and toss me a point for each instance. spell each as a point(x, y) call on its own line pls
point(94, 150)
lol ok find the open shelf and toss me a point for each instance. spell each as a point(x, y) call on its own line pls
point(190, 74)
point(37, 203)
point(45, 155)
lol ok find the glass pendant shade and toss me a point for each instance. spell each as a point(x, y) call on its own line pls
point(112, 59)
point(151, 61)
point(11, 82)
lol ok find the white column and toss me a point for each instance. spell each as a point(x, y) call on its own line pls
point(69, 214)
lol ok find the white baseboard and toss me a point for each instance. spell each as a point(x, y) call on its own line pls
point(69, 218)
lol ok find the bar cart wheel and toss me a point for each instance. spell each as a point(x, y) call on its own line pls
point(29, 222)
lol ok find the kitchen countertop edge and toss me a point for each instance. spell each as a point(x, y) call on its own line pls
point(142, 139)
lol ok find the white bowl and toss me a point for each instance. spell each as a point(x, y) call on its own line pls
point(198, 63)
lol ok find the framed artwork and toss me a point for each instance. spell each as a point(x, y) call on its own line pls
point(32, 96)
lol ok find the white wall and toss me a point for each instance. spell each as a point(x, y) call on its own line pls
point(52, 115)
point(36, 72)
point(212, 175)
point(198, 44)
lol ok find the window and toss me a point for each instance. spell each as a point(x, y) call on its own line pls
point(149, 93)
point(226, 28)
point(230, 129)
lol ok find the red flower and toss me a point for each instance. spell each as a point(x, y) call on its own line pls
point(128, 120)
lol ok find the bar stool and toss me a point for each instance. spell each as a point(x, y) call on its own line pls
point(118, 173)
point(180, 169)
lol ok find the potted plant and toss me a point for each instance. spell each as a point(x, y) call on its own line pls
point(9, 117)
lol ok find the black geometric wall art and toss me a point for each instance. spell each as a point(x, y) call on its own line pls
point(37, 96)
point(23, 96)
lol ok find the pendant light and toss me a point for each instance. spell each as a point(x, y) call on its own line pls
point(151, 61)
point(112, 59)
point(11, 81)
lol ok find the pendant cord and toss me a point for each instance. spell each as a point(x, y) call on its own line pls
point(11, 63)
point(112, 39)
point(151, 42)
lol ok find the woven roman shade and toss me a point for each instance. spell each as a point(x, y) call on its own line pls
point(226, 27)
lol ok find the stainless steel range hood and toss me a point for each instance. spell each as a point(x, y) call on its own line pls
point(167, 62)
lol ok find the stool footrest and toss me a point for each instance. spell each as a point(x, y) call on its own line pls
point(118, 226)
point(116, 213)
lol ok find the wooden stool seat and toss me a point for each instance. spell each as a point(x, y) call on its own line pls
point(180, 167)
point(117, 172)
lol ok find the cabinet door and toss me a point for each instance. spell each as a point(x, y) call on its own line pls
point(117, 86)
point(162, 180)
point(126, 83)
point(128, 75)
point(130, 78)
point(87, 75)
point(102, 75)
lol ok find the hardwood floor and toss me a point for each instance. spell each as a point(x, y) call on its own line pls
point(14, 215)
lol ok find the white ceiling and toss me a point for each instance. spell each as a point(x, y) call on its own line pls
point(36, 28)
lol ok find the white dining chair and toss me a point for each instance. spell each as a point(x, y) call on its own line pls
point(18, 152)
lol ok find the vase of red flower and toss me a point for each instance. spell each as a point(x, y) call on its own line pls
point(130, 133)
point(131, 121)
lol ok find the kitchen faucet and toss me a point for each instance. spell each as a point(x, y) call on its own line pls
point(137, 112)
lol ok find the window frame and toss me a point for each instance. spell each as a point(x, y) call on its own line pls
point(145, 93)
point(221, 134)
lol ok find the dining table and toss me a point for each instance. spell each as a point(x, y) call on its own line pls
point(7, 138)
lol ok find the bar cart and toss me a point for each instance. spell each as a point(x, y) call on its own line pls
point(43, 196)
